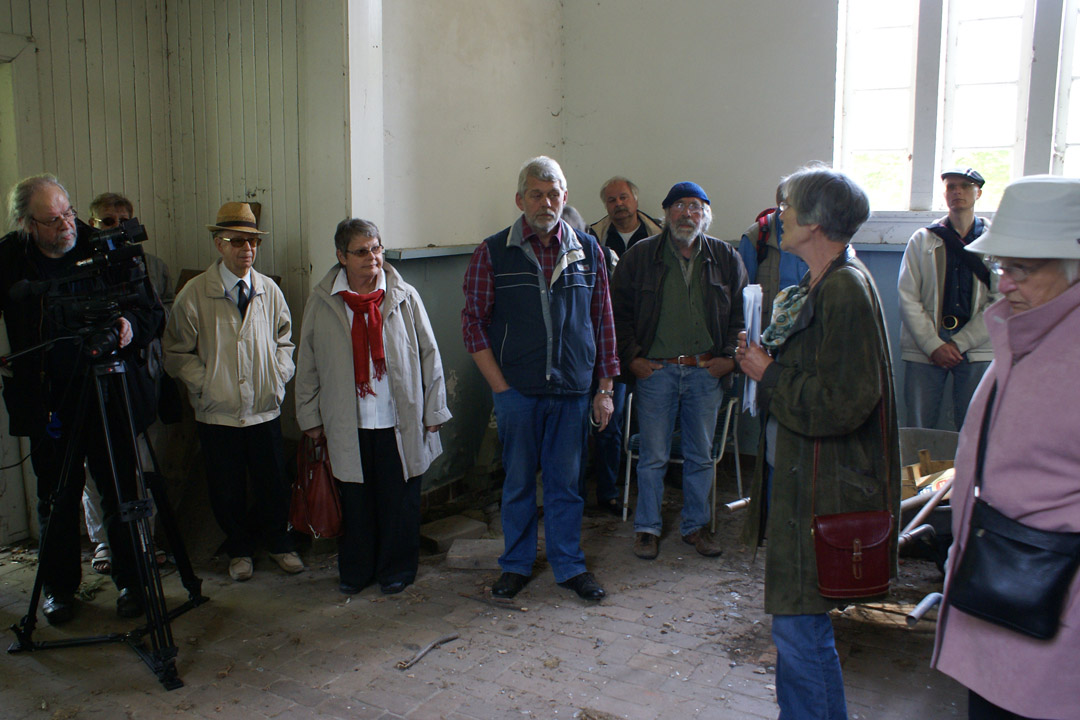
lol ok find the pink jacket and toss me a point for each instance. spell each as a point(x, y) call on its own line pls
point(1032, 474)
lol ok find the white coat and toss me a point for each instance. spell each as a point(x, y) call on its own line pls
point(326, 385)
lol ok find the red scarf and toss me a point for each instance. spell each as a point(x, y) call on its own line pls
point(366, 338)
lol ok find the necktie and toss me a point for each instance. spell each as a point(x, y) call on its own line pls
point(242, 297)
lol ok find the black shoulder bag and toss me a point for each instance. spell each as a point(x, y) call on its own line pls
point(1011, 574)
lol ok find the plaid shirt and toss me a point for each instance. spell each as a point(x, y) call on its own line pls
point(480, 299)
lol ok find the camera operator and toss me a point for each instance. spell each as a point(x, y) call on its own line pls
point(45, 244)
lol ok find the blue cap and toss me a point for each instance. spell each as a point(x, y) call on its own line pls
point(684, 190)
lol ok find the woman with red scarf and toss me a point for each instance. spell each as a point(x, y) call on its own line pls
point(369, 378)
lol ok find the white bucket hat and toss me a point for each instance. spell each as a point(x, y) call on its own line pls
point(1039, 217)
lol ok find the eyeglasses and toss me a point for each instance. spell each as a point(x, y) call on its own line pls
point(362, 253)
point(1016, 271)
point(68, 215)
point(239, 243)
point(692, 208)
point(783, 206)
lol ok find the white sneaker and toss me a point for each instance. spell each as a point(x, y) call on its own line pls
point(241, 569)
point(290, 562)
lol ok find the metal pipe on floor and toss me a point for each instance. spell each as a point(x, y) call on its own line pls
point(922, 608)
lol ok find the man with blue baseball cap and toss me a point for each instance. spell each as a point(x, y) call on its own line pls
point(677, 301)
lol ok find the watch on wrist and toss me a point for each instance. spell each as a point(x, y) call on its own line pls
point(609, 393)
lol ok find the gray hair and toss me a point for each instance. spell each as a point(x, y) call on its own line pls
point(822, 196)
point(1070, 268)
point(618, 179)
point(541, 168)
point(19, 200)
point(350, 228)
point(573, 218)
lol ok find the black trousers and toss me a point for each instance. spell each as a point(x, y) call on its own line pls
point(979, 708)
point(59, 504)
point(381, 517)
point(233, 455)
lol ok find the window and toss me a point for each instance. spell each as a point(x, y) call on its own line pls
point(924, 85)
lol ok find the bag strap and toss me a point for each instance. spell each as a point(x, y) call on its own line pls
point(984, 431)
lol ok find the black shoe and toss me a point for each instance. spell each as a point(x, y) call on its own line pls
point(58, 609)
point(613, 507)
point(392, 588)
point(509, 584)
point(585, 586)
point(348, 589)
point(129, 604)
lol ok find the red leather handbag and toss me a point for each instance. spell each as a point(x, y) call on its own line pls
point(853, 549)
point(316, 503)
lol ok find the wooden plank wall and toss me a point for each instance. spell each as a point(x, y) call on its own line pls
point(181, 106)
point(235, 112)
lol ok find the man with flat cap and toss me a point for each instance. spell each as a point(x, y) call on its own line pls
point(229, 340)
point(943, 293)
point(677, 301)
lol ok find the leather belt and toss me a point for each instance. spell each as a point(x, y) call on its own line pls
point(950, 322)
point(695, 360)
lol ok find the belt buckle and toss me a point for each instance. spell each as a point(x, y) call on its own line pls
point(679, 359)
point(950, 322)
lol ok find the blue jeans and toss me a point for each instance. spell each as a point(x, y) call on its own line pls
point(693, 395)
point(544, 431)
point(809, 684)
point(607, 451)
point(924, 390)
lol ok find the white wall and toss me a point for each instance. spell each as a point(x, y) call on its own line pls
point(730, 94)
point(472, 91)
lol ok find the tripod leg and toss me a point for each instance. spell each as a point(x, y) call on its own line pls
point(24, 630)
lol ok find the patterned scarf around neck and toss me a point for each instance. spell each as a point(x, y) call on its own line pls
point(785, 310)
point(367, 338)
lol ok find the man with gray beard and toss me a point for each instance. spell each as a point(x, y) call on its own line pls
point(677, 302)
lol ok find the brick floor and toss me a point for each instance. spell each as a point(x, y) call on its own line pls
point(679, 637)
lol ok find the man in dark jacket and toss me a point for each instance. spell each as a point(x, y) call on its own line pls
point(43, 396)
point(624, 224)
point(677, 301)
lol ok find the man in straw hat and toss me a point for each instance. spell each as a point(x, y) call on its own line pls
point(229, 340)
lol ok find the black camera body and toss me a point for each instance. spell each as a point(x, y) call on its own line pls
point(86, 303)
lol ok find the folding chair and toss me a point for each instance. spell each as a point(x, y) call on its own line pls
point(727, 426)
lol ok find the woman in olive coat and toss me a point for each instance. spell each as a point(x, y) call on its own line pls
point(825, 387)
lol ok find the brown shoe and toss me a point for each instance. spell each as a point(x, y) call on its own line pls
point(704, 542)
point(646, 546)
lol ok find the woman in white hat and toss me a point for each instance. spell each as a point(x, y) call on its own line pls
point(1030, 401)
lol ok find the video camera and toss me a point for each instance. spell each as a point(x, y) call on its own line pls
point(85, 304)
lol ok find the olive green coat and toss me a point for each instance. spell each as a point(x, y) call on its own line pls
point(825, 389)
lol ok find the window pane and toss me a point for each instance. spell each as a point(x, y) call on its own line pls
point(866, 14)
point(1072, 162)
point(1072, 131)
point(968, 9)
point(879, 120)
point(983, 115)
point(884, 175)
point(881, 59)
point(987, 51)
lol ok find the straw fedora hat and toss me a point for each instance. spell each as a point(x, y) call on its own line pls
point(236, 216)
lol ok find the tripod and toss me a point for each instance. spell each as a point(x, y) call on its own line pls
point(135, 514)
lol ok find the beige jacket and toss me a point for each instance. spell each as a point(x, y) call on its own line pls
point(921, 286)
point(235, 370)
point(326, 386)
